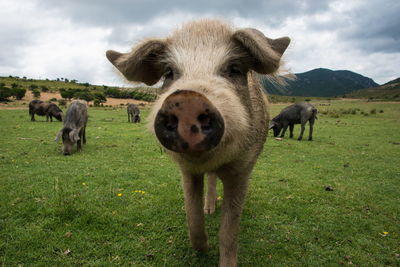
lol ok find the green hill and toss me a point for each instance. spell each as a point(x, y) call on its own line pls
point(321, 82)
point(387, 91)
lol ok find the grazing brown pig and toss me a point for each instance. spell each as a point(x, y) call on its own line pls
point(41, 108)
point(133, 113)
point(74, 130)
point(212, 117)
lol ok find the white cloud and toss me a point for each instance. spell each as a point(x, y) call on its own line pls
point(41, 39)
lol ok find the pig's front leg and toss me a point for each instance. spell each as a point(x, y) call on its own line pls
point(193, 189)
point(211, 198)
point(235, 189)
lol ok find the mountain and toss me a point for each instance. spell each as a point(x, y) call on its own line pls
point(320, 82)
point(394, 81)
point(387, 91)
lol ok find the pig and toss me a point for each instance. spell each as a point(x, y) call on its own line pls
point(41, 108)
point(294, 114)
point(74, 130)
point(212, 117)
point(133, 113)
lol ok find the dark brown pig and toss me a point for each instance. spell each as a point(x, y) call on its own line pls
point(133, 113)
point(41, 108)
point(212, 117)
point(74, 130)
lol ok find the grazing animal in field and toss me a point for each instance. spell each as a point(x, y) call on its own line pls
point(212, 117)
point(41, 108)
point(133, 113)
point(298, 113)
point(74, 130)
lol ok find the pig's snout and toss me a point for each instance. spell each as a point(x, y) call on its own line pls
point(188, 123)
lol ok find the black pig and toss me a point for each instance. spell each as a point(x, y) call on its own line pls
point(298, 113)
point(44, 109)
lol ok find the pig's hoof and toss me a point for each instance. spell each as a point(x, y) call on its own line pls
point(209, 209)
point(201, 246)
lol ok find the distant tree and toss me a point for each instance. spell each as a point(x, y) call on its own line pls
point(86, 84)
point(58, 79)
point(85, 95)
point(66, 80)
point(67, 94)
point(99, 97)
point(74, 81)
point(19, 93)
point(24, 77)
point(36, 93)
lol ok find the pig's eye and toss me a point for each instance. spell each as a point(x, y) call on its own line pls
point(169, 74)
point(234, 70)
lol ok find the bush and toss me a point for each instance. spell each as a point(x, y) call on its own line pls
point(36, 93)
point(33, 87)
point(67, 94)
point(19, 93)
point(85, 95)
point(373, 111)
point(53, 99)
point(100, 97)
point(62, 102)
point(5, 93)
point(44, 88)
point(381, 111)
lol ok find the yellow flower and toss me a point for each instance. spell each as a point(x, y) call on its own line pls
point(83, 183)
point(385, 233)
point(219, 198)
point(119, 194)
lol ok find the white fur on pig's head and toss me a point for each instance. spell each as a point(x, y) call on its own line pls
point(200, 56)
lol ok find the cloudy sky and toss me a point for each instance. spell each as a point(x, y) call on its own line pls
point(55, 38)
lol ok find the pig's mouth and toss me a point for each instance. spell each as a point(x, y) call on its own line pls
point(189, 123)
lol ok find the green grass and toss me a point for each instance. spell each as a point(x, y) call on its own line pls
point(51, 204)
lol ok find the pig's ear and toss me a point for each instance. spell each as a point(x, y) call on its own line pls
point(266, 52)
point(143, 63)
point(271, 125)
point(58, 136)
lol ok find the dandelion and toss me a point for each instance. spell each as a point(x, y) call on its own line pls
point(119, 194)
point(140, 192)
point(385, 233)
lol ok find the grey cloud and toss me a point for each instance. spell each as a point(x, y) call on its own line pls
point(375, 26)
point(141, 11)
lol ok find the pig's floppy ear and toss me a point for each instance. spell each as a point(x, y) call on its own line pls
point(265, 51)
point(143, 63)
point(58, 136)
point(271, 125)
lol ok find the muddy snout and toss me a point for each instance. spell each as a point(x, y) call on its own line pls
point(188, 123)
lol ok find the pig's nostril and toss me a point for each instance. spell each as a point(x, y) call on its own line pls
point(172, 123)
point(194, 129)
point(205, 122)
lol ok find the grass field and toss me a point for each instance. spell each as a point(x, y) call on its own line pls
point(119, 202)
